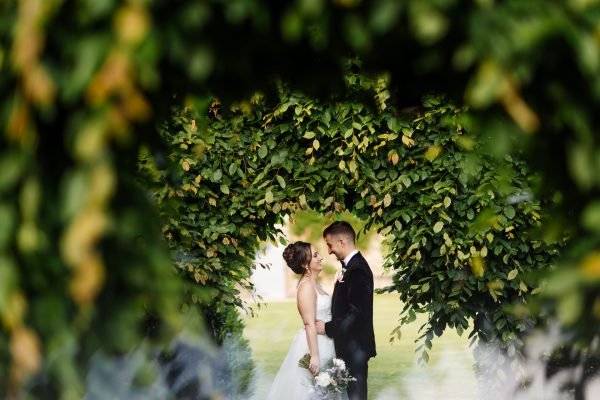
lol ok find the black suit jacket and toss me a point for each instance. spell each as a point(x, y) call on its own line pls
point(351, 326)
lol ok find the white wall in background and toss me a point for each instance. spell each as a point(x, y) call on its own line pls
point(270, 283)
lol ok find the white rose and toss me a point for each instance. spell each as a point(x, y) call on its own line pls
point(339, 363)
point(323, 379)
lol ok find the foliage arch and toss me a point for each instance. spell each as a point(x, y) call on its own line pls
point(461, 243)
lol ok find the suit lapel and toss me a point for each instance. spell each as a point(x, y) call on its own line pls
point(353, 263)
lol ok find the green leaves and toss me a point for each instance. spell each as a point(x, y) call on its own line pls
point(509, 212)
point(281, 181)
point(232, 169)
point(262, 151)
point(119, 64)
point(269, 197)
point(450, 240)
point(7, 227)
point(387, 200)
point(447, 202)
point(11, 164)
point(590, 218)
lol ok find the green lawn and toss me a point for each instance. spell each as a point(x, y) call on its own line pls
point(393, 374)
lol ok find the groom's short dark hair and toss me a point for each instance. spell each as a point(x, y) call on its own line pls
point(340, 228)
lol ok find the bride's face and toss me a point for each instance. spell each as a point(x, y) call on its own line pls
point(315, 261)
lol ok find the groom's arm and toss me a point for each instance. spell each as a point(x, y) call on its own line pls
point(358, 299)
point(330, 329)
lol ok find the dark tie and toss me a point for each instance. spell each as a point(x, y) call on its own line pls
point(343, 265)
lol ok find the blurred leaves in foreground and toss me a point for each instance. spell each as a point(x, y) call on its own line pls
point(84, 85)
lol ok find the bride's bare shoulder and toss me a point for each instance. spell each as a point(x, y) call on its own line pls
point(301, 282)
point(306, 289)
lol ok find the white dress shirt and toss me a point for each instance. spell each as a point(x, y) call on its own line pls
point(349, 257)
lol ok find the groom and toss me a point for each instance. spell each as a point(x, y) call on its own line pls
point(351, 326)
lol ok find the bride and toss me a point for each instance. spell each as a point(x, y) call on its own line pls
point(293, 382)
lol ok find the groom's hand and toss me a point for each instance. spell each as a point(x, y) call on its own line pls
point(320, 327)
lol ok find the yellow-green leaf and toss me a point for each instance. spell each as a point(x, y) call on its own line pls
point(438, 227)
point(447, 202)
point(433, 152)
point(408, 142)
point(495, 288)
point(302, 200)
point(387, 200)
point(523, 287)
point(269, 197)
point(281, 181)
point(352, 165)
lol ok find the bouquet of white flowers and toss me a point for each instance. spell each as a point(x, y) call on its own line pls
point(332, 380)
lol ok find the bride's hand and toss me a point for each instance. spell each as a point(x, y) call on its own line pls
point(320, 327)
point(315, 365)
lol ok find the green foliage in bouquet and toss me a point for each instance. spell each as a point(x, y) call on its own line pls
point(304, 361)
point(331, 380)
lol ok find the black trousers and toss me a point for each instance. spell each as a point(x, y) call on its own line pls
point(357, 390)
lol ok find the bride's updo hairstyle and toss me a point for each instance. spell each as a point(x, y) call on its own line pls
point(297, 256)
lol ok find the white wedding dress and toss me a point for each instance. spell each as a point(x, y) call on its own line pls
point(293, 382)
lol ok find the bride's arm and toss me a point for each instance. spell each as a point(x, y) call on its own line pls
point(307, 306)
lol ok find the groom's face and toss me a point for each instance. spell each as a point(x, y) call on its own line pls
point(335, 245)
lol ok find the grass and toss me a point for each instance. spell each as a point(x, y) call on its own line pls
point(394, 373)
